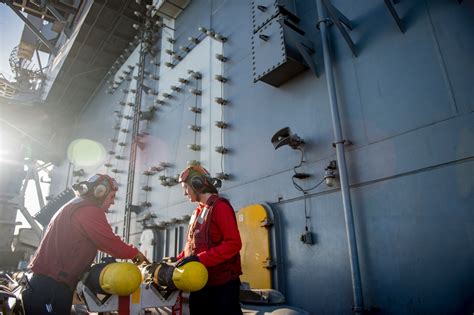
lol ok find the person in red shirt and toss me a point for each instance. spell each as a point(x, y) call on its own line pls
point(214, 240)
point(70, 243)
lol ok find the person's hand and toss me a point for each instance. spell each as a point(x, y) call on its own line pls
point(140, 259)
point(185, 260)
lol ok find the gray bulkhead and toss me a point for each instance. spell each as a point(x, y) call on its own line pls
point(406, 105)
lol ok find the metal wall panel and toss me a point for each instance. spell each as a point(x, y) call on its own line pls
point(410, 165)
point(456, 48)
point(406, 94)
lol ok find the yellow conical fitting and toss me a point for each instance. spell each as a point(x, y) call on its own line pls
point(120, 278)
point(190, 277)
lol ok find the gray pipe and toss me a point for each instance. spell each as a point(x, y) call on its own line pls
point(342, 166)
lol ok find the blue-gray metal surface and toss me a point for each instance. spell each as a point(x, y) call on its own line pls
point(406, 104)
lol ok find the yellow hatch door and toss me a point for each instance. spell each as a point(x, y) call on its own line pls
point(255, 252)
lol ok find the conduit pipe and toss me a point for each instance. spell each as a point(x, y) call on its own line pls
point(342, 166)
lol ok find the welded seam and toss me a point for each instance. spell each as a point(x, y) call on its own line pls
point(442, 63)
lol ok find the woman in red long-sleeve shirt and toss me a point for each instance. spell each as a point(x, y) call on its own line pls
point(214, 240)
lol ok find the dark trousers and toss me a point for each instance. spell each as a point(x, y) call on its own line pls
point(47, 296)
point(216, 300)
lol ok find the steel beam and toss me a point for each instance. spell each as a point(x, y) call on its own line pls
point(30, 25)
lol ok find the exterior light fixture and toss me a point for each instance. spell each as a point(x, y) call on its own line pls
point(193, 40)
point(202, 29)
point(285, 137)
point(170, 40)
point(175, 88)
point(183, 81)
point(166, 95)
point(329, 175)
point(169, 65)
point(184, 48)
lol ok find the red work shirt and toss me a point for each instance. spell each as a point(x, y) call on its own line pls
point(222, 228)
point(72, 239)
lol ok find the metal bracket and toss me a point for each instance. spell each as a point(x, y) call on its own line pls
point(339, 19)
point(344, 142)
point(394, 14)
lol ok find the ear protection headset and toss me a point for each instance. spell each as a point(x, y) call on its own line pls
point(197, 177)
point(197, 183)
point(99, 185)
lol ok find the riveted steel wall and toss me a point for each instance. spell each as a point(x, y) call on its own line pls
point(406, 105)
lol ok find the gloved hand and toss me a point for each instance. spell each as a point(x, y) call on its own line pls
point(140, 259)
point(185, 260)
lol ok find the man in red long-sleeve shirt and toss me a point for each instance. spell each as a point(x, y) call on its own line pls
point(69, 246)
point(214, 240)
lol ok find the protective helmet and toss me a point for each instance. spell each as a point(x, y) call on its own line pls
point(198, 178)
point(98, 186)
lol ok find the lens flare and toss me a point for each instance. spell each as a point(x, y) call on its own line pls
point(86, 152)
